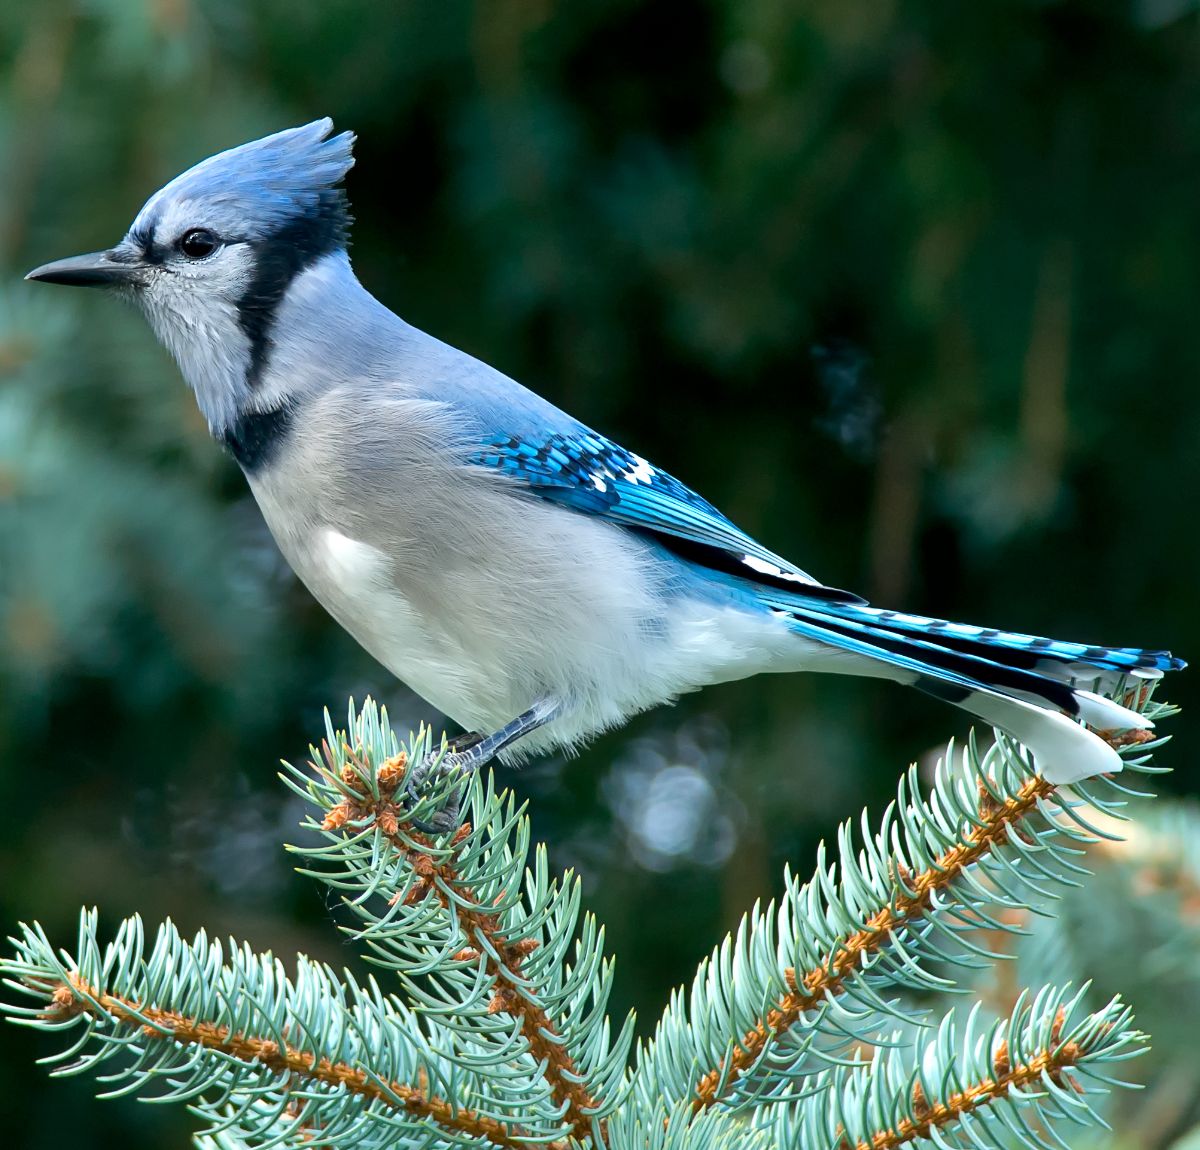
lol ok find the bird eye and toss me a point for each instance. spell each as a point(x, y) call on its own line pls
point(198, 243)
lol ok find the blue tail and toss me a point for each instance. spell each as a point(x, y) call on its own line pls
point(1011, 648)
point(1030, 686)
point(950, 658)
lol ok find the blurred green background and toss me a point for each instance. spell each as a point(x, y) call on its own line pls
point(907, 289)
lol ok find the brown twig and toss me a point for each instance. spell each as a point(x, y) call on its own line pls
point(75, 998)
point(914, 901)
point(442, 881)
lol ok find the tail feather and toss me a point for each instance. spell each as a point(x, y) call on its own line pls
point(1024, 684)
point(1031, 652)
point(1064, 751)
point(967, 670)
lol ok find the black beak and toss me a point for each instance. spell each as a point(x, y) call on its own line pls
point(99, 269)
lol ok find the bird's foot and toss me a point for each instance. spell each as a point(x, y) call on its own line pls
point(454, 765)
point(466, 740)
point(462, 757)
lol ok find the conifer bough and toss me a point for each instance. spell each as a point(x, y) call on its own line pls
point(493, 1030)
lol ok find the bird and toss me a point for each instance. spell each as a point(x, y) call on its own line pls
point(530, 578)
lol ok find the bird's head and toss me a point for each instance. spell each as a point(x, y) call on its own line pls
point(211, 255)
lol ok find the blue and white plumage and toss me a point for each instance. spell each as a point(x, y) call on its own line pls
point(527, 576)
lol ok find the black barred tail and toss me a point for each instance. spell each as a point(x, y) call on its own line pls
point(1034, 688)
point(1030, 652)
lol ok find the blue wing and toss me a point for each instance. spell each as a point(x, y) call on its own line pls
point(593, 475)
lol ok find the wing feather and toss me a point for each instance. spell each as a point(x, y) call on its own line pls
point(593, 475)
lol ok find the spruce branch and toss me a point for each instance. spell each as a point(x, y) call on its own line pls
point(793, 1033)
point(371, 803)
point(816, 968)
point(914, 900)
point(475, 935)
point(974, 1084)
point(245, 1045)
point(74, 998)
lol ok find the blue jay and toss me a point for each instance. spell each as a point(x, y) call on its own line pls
point(530, 578)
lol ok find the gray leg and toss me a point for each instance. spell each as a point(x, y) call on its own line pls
point(476, 754)
point(466, 740)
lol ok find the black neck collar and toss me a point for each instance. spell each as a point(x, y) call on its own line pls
point(254, 438)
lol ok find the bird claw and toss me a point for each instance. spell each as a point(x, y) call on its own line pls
point(452, 763)
point(462, 757)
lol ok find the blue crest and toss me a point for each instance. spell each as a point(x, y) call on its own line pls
point(262, 187)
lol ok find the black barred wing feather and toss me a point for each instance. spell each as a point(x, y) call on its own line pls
point(595, 476)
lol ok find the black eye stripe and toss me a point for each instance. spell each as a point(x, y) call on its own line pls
point(279, 259)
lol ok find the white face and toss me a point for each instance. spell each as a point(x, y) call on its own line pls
point(195, 283)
